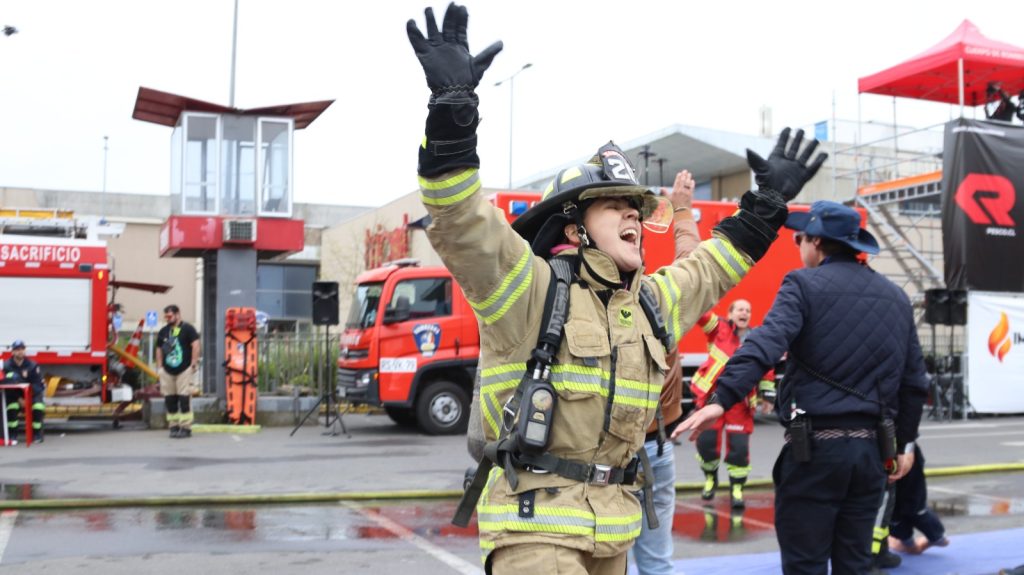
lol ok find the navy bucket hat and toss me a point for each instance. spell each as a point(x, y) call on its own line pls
point(836, 222)
point(18, 344)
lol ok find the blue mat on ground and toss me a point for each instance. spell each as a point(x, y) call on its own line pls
point(983, 553)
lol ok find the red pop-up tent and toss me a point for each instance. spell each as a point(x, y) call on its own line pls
point(957, 70)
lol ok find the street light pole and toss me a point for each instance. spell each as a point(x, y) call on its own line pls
point(511, 94)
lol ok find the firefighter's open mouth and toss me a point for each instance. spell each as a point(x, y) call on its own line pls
point(630, 236)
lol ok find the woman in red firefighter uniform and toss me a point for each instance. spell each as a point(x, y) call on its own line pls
point(579, 515)
point(724, 338)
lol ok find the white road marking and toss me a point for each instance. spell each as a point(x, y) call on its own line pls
point(455, 562)
point(236, 438)
point(969, 494)
point(1013, 443)
point(6, 527)
point(955, 425)
point(725, 515)
point(972, 435)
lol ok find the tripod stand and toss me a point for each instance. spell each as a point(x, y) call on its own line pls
point(327, 398)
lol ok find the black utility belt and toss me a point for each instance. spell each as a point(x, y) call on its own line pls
point(826, 434)
point(592, 473)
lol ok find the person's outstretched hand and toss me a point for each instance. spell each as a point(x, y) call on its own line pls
point(452, 72)
point(783, 171)
point(698, 421)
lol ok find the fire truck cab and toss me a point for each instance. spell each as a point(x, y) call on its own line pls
point(410, 344)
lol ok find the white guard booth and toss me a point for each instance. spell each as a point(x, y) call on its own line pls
point(995, 351)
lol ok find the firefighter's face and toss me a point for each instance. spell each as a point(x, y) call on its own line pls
point(614, 226)
point(18, 353)
point(739, 313)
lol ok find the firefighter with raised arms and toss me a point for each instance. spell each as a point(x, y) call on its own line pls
point(565, 416)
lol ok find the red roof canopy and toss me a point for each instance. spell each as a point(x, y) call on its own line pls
point(932, 75)
point(164, 108)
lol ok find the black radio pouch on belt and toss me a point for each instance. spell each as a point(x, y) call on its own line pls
point(800, 438)
point(886, 439)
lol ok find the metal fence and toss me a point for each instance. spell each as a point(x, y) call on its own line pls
point(285, 359)
point(297, 360)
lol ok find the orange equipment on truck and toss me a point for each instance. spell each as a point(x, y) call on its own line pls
point(411, 341)
point(241, 364)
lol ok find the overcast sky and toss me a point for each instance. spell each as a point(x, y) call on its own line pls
point(601, 70)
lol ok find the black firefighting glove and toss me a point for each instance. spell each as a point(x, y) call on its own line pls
point(452, 75)
point(779, 179)
point(783, 171)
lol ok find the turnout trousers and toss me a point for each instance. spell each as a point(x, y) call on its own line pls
point(825, 508)
point(553, 559)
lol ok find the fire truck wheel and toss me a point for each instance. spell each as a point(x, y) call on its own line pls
point(443, 409)
point(402, 416)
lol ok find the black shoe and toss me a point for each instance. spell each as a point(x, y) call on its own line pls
point(887, 560)
point(175, 432)
point(184, 433)
point(38, 436)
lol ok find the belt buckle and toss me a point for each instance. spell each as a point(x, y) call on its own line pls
point(601, 474)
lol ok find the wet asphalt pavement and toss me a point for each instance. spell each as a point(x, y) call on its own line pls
point(412, 536)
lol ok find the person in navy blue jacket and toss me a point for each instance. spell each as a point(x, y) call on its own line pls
point(853, 360)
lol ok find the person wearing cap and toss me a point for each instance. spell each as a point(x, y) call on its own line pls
point(853, 359)
point(21, 369)
point(570, 509)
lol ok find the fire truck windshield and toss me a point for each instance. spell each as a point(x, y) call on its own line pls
point(363, 311)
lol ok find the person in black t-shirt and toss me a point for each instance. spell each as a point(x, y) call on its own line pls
point(177, 355)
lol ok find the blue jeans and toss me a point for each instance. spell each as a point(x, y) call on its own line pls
point(652, 551)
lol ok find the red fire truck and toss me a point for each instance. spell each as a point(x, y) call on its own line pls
point(410, 343)
point(53, 295)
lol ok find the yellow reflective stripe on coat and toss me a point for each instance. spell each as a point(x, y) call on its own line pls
point(495, 380)
point(704, 382)
point(670, 293)
point(625, 528)
point(501, 377)
point(595, 380)
point(710, 325)
point(637, 393)
point(546, 519)
point(450, 191)
point(728, 258)
point(508, 291)
point(485, 549)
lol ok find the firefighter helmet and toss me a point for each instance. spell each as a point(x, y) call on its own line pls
point(607, 174)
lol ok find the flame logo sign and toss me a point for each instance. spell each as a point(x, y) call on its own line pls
point(998, 340)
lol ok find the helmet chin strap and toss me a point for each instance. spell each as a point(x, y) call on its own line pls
point(572, 210)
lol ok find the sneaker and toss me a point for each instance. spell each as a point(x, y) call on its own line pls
point(175, 431)
point(38, 436)
point(736, 496)
point(184, 433)
point(710, 484)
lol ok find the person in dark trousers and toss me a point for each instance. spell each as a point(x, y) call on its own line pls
point(21, 369)
point(177, 354)
point(854, 362)
point(912, 512)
